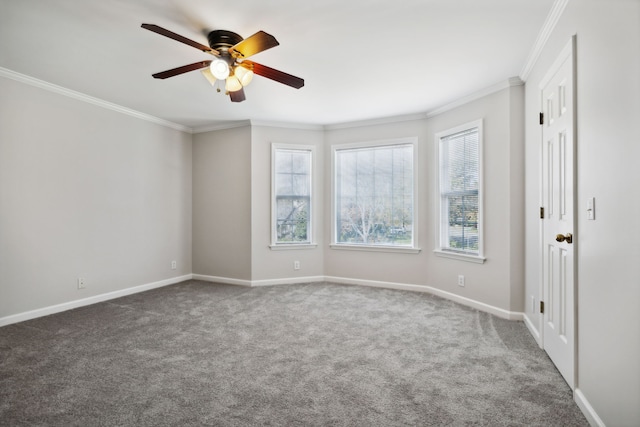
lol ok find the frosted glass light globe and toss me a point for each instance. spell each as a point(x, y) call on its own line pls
point(244, 75)
point(219, 69)
point(233, 84)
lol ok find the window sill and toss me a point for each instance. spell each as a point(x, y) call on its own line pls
point(292, 246)
point(460, 257)
point(393, 249)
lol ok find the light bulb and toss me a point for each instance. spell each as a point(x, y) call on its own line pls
point(233, 84)
point(243, 74)
point(219, 69)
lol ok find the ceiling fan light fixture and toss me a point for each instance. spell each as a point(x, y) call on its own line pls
point(243, 74)
point(206, 72)
point(233, 84)
point(219, 69)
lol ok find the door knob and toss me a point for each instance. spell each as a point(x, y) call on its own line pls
point(568, 238)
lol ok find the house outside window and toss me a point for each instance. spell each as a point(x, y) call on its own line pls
point(374, 188)
point(292, 195)
point(460, 192)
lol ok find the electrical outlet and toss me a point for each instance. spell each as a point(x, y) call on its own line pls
point(81, 283)
point(460, 280)
point(174, 265)
point(296, 265)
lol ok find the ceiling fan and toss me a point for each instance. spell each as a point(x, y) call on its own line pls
point(230, 64)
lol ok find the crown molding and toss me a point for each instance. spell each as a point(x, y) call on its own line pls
point(471, 97)
point(543, 36)
point(513, 81)
point(243, 123)
point(286, 125)
point(222, 126)
point(378, 121)
point(32, 81)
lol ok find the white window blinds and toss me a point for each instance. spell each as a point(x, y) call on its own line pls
point(460, 191)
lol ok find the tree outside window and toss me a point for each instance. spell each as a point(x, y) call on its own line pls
point(292, 195)
point(460, 189)
point(374, 195)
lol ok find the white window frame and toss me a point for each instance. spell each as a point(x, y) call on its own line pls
point(442, 216)
point(413, 248)
point(310, 243)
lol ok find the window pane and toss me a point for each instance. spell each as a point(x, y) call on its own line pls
point(292, 195)
point(300, 185)
point(284, 184)
point(374, 195)
point(292, 220)
point(283, 161)
point(463, 223)
point(300, 163)
point(461, 157)
point(459, 191)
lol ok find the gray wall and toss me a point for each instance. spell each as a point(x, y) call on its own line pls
point(271, 264)
point(608, 108)
point(232, 207)
point(86, 192)
point(495, 282)
point(222, 203)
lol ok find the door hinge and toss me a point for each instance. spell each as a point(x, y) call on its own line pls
point(541, 212)
point(541, 118)
point(542, 307)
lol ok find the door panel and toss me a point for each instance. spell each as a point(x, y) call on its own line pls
point(558, 196)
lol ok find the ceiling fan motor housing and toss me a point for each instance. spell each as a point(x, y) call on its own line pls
point(222, 40)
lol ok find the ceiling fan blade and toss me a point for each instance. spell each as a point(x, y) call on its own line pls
point(181, 70)
point(179, 38)
point(256, 43)
point(273, 74)
point(237, 96)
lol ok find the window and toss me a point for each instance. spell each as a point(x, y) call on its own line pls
point(291, 190)
point(374, 195)
point(460, 175)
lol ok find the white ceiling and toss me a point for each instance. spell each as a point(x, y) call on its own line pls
point(361, 59)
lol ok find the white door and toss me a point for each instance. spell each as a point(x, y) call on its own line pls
point(558, 197)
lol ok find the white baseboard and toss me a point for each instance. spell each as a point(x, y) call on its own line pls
point(255, 283)
point(532, 329)
point(223, 280)
point(291, 281)
point(505, 314)
point(45, 311)
point(586, 408)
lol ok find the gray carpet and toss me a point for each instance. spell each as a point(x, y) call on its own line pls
point(298, 355)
